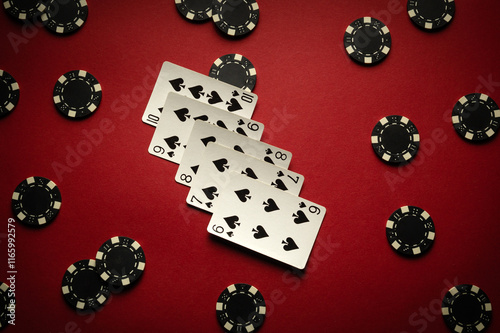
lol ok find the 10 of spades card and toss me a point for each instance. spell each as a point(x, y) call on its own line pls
point(174, 78)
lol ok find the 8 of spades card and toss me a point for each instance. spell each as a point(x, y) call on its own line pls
point(203, 133)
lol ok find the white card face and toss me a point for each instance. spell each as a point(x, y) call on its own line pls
point(217, 164)
point(174, 78)
point(204, 133)
point(267, 220)
point(178, 117)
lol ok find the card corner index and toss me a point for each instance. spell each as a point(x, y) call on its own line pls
point(178, 177)
point(211, 228)
point(145, 118)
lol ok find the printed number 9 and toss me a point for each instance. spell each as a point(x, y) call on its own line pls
point(159, 150)
point(315, 210)
point(253, 126)
point(218, 229)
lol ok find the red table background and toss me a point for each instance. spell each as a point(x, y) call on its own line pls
point(315, 102)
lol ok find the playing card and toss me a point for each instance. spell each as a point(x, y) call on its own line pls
point(267, 220)
point(204, 133)
point(174, 78)
point(178, 117)
point(213, 175)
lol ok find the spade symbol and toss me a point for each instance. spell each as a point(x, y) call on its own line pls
point(232, 221)
point(270, 205)
point(221, 164)
point(241, 122)
point(171, 154)
point(182, 114)
point(268, 160)
point(235, 93)
point(210, 192)
point(268, 151)
point(234, 105)
point(240, 130)
point(300, 217)
point(279, 184)
point(195, 168)
point(172, 142)
point(249, 172)
point(230, 233)
point(302, 205)
point(208, 139)
point(214, 98)
point(196, 91)
point(209, 204)
point(238, 148)
point(280, 174)
point(289, 244)
point(220, 123)
point(243, 195)
point(259, 232)
point(160, 109)
point(177, 84)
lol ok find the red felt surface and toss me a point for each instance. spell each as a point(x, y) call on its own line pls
point(315, 102)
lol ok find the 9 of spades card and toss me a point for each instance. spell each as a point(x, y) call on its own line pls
point(267, 220)
point(203, 133)
point(216, 166)
point(178, 117)
point(174, 78)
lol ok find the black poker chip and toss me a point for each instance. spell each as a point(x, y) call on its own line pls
point(64, 16)
point(83, 288)
point(395, 139)
point(9, 93)
point(476, 117)
point(7, 304)
point(234, 69)
point(23, 9)
point(410, 231)
point(77, 94)
point(466, 308)
point(431, 14)
point(36, 201)
point(120, 261)
point(195, 10)
point(235, 17)
point(241, 308)
point(367, 40)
